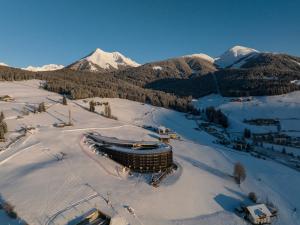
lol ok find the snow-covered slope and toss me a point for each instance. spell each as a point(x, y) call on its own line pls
point(49, 67)
point(202, 56)
point(44, 189)
point(233, 55)
point(3, 64)
point(100, 60)
point(284, 107)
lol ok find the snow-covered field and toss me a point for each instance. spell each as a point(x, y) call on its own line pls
point(285, 108)
point(46, 190)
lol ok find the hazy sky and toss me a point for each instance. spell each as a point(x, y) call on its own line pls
point(37, 32)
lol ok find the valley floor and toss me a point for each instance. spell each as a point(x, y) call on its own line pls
point(45, 190)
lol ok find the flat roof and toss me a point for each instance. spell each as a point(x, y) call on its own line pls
point(129, 146)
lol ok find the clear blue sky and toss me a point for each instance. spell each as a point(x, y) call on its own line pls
point(37, 32)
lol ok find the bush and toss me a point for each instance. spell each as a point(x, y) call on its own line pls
point(12, 215)
point(9, 209)
point(252, 196)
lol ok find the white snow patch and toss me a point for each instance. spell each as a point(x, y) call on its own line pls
point(297, 82)
point(157, 68)
point(50, 67)
point(296, 62)
point(232, 55)
point(106, 60)
point(3, 64)
point(202, 56)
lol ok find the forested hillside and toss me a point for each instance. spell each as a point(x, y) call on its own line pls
point(174, 82)
point(77, 85)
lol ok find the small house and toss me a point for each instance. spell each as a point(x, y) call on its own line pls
point(173, 135)
point(162, 130)
point(164, 138)
point(258, 214)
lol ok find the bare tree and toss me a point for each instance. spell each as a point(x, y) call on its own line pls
point(239, 173)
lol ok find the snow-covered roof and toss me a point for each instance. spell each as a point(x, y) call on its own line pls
point(162, 128)
point(259, 211)
point(129, 146)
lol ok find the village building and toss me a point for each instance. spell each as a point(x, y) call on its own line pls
point(258, 214)
point(164, 138)
point(162, 130)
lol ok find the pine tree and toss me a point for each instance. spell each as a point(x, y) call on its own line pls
point(92, 106)
point(64, 101)
point(42, 107)
point(2, 116)
point(247, 133)
point(108, 111)
point(1, 134)
point(3, 126)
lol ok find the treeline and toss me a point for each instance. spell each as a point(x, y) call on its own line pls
point(196, 87)
point(103, 86)
point(256, 82)
point(216, 116)
point(79, 85)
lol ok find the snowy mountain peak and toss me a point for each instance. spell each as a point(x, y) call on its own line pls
point(50, 67)
point(107, 60)
point(233, 55)
point(202, 56)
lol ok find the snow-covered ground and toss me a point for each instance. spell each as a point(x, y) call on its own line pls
point(44, 189)
point(285, 108)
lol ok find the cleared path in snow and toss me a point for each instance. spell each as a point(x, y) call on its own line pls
point(98, 128)
point(9, 154)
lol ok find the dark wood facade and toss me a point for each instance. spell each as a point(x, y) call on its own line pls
point(141, 162)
